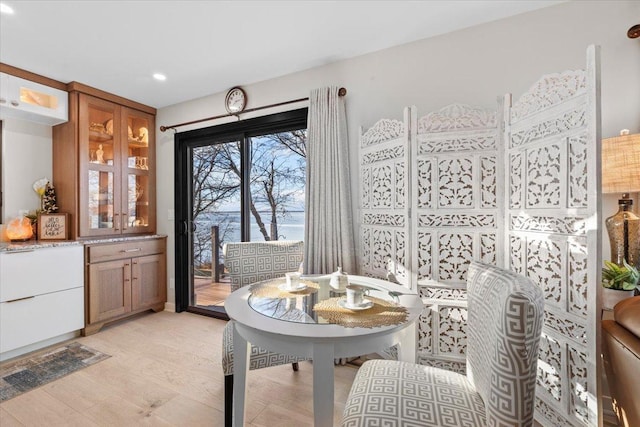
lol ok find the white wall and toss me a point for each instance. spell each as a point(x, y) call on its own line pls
point(26, 154)
point(472, 66)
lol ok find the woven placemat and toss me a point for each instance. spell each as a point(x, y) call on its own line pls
point(383, 313)
point(270, 289)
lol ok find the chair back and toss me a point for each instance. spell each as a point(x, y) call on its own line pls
point(250, 262)
point(505, 316)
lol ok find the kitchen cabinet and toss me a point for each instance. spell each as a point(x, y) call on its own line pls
point(104, 165)
point(41, 295)
point(27, 100)
point(124, 278)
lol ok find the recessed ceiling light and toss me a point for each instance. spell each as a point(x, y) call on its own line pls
point(160, 77)
point(6, 9)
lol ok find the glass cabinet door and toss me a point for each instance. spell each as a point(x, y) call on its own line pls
point(137, 163)
point(99, 152)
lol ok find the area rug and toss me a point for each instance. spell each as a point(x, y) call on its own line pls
point(26, 374)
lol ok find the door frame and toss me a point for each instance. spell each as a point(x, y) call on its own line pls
point(184, 142)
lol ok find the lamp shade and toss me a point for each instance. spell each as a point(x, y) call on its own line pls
point(621, 164)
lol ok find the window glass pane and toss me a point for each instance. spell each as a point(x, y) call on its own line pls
point(100, 199)
point(277, 186)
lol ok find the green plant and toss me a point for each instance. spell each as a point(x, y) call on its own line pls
point(625, 278)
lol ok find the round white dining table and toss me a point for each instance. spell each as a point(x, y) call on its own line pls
point(262, 322)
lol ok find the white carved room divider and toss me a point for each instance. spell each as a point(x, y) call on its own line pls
point(385, 190)
point(553, 146)
point(517, 188)
point(457, 158)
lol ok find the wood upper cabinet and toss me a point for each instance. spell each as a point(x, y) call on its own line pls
point(104, 165)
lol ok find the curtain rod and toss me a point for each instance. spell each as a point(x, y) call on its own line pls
point(341, 92)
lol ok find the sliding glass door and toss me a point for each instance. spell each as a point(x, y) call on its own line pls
point(243, 181)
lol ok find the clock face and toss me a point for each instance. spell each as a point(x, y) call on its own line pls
point(236, 100)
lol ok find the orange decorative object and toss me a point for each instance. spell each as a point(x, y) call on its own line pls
point(19, 229)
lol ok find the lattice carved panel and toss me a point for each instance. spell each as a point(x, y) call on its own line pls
point(365, 187)
point(456, 117)
point(382, 154)
point(457, 144)
point(549, 223)
point(545, 260)
point(455, 252)
point(400, 193)
point(488, 248)
point(578, 278)
point(543, 176)
point(365, 234)
point(455, 183)
point(425, 330)
point(452, 294)
point(578, 171)
point(488, 182)
point(458, 220)
point(424, 179)
point(565, 123)
point(381, 187)
point(384, 219)
point(550, 90)
point(550, 372)
point(452, 328)
point(382, 130)
point(579, 387)
point(515, 183)
point(425, 255)
point(517, 252)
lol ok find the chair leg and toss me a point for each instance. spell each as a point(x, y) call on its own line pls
point(228, 400)
point(295, 366)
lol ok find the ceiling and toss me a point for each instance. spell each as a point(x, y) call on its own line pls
point(206, 47)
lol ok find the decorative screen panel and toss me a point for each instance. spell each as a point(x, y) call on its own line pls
point(384, 190)
point(552, 221)
point(442, 190)
point(456, 219)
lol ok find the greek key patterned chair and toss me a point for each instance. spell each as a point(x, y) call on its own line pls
point(247, 263)
point(505, 323)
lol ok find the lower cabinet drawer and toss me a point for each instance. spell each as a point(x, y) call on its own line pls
point(120, 250)
point(30, 320)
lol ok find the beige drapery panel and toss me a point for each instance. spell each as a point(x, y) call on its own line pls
point(329, 240)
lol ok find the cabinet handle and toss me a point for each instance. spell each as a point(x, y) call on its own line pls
point(19, 251)
point(124, 251)
point(116, 222)
point(15, 103)
point(19, 299)
point(124, 221)
point(3, 101)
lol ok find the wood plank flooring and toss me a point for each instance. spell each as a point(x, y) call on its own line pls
point(165, 370)
point(208, 293)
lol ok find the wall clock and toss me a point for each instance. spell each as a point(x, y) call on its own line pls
point(235, 101)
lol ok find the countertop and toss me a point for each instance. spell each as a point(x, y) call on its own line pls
point(39, 244)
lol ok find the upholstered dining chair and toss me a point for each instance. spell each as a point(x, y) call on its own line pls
point(505, 316)
point(247, 263)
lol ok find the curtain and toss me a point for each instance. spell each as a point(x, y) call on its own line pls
point(329, 241)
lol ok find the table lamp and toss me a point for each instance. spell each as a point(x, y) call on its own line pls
point(621, 174)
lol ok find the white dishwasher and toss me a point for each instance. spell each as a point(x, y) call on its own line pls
point(41, 295)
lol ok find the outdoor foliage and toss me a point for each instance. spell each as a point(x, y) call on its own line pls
point(277, 181)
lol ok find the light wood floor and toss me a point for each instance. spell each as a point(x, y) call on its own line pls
point(165, 370)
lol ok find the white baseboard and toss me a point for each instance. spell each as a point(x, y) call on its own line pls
point(169, 306)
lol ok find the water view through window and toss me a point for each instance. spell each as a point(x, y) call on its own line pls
point(268, 197)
